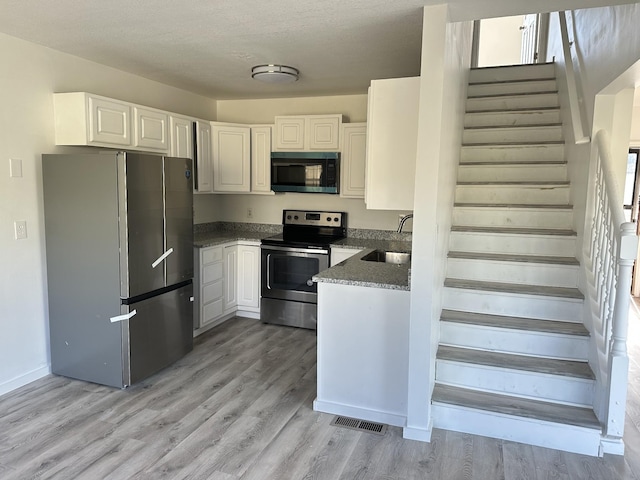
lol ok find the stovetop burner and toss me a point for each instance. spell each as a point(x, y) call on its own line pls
point(310, 228)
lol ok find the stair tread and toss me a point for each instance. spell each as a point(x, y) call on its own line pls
point(518, 323)
point(510, 257)
point(508, 127)
point(512, 182)
point(517, 81)
point(513, 110)
point(515, 144)
point(515, 205)
point(520, 407)
point(511, 164)
point(514, 65)
point(550, 366)
point(540, 290)
point(520, 94)
point(516, 231)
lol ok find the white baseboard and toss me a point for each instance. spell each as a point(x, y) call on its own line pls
point(612, 446)
point(419, 434)
point(24, 379)
point(360, 413)
point(249, 314)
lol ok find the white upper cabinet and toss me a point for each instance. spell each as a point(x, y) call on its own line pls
point(261, 158)
point(85, 119)
point(231, 157)
point(203, 181)
point(151, 129)
point(181, 136)
point(353, 139)
point(392, 136)
point(307, 133)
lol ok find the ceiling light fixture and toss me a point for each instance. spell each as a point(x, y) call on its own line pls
point(275, 73)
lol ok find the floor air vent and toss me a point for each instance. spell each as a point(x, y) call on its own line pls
point(361, 425)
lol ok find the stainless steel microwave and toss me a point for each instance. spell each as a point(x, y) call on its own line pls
point(309, 172)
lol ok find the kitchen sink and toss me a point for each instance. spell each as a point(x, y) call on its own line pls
point(384, 256)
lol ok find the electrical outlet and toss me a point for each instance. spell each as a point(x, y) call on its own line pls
point(20, 227)
point(249, 213)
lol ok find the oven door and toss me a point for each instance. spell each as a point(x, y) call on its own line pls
point(287, 272)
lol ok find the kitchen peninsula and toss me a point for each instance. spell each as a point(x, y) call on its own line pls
point(363, 335)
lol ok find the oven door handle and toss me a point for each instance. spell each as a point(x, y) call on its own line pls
point(320, 250)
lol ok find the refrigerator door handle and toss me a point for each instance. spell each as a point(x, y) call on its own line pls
point(126, 316)
point(162, 257)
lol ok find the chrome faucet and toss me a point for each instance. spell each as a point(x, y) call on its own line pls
point(403, 219)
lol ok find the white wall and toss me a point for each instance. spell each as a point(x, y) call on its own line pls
point(446, 56)
point(500, 41)
point(635, 126)
point(268, 209)
point(28, 77)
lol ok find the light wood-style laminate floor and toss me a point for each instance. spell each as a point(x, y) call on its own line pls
point(240, 407)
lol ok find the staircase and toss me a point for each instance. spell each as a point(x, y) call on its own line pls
point(512, 360)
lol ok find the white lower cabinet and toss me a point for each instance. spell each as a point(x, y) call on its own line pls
point(227, 280)
point(230, 277)
point(208, 291)
point(249, 277)
point(340, 254)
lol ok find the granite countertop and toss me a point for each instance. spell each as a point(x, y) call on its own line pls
point(354, 271)
point(210, 239)
point(217, 233)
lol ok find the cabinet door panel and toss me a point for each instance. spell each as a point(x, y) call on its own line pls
point(151, 128)
point(249, 276)
point(212, 292)
point(324, 133)
point(210, 255)
point(230, 271)
point(260, 159)
point(231, 159)
point(109, 122)
point(212, 272)
point(181, 137)
point(204, 163)
point(211, 311)
point(289, 133)
point(352, 162)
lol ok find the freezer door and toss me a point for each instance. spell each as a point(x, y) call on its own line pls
point(178, 196)
point(160, 332)
point(141, 223)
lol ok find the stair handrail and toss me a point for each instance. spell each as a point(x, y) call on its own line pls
point(614, 246)
point(577, 118)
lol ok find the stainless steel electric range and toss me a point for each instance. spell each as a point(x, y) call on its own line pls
point(290, 260)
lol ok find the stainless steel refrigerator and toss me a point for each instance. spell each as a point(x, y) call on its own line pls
point(119, 240)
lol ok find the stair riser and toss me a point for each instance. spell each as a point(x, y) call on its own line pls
point(521, 72)
point(512, 173)
point(512, 217)
point(513, 103)
point(532, 153)
point(513, 272)
point(537, 386)
point(583, 441)
point(511, 118)
point(510, 243)
point(509, 340)
point(511, 88)
point(513, 194)
point(512, 135)
point(515, 305)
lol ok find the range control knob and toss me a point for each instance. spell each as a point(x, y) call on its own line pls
point(295, 217)
point(328, 219)
point(336, 219)
point(288, 217)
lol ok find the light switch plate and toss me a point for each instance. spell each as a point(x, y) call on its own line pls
point(15, 167)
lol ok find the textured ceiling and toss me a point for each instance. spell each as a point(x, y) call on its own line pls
point(209, 47)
